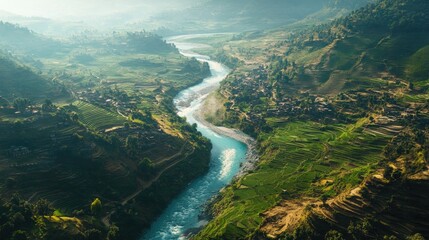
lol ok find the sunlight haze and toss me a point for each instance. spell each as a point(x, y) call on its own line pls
point(82, 8)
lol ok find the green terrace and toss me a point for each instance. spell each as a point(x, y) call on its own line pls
point(301, 159)
point(97, 118)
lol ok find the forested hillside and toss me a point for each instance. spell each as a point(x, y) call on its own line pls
point(15, 37)
point(17, 80)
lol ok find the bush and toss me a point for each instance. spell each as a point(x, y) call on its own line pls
point(334, 235)
point(416, 236)
point(19, 235)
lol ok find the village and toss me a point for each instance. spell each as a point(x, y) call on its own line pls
point(254, 97)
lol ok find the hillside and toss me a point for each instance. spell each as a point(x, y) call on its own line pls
point(18, 80)
point(17, 38)
point(94, 122)
point(238, 15)
point(340, 112)
point(332, 10)
point(241, 16)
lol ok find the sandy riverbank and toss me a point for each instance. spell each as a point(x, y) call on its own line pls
point(252, 156)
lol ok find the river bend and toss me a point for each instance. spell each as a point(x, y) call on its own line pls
point(182, 215)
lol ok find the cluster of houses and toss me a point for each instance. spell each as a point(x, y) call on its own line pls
point(255, 89)
point(110, 100)
point(252, 87)
point(312, 104)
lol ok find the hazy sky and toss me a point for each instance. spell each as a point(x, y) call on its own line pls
point(78, 8)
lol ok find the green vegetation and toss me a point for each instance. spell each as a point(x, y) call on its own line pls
point(20, 81)
point(97, 118)
point(332, 107)
point(95, 122)
point(299, 159)
point(144, 42)
point(23, 220)
point(418, 65)
point(340, 112)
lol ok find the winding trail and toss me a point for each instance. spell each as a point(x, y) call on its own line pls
point(146, 184)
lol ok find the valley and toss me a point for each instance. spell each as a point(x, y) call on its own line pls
point(326, 105)
point(100, 125)
point(278, 120)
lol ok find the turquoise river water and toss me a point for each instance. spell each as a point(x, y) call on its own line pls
point(183, 213)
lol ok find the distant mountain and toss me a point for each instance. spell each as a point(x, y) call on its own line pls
point(240, 15)
point(41, 25)
point(122, 15)
point(332, 10)
point(348, 4)
point(15, 37)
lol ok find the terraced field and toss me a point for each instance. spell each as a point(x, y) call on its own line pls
point(301, 159)
point(97, 118)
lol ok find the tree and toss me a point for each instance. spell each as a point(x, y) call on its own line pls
point(324, 198)
point(132, 143)
point(361, 229)
point(47, 105)
point(42, 207)
point(334, 235)
point(397, 174)
point(388, 170)
point(96, 206)
point(113, 233)
point(74, 117)
point(93, 234)
point(20, 104)
point(146, 165)
point(416, 236)
point(19, 235)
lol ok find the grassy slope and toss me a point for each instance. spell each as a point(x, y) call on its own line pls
point(295, 158)
point(418, 64)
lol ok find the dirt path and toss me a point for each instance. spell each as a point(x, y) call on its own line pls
point(179, 153)
point(146, 185)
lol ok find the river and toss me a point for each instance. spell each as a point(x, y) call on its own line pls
point(182, 215)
